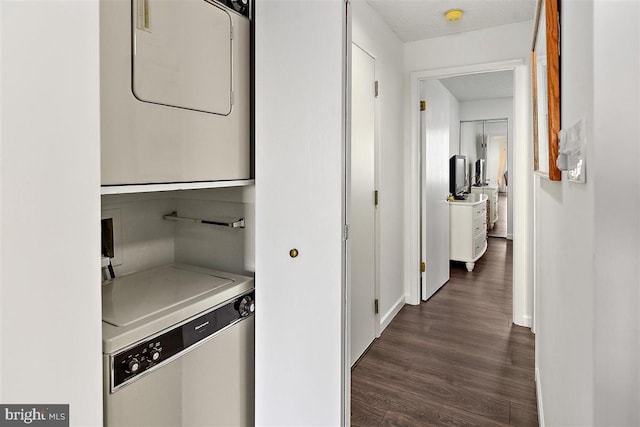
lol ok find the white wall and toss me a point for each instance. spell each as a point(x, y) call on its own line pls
point(454, 125)
point(494, 44)
point(588, 234)
point(487, 109)
point(498, 108)
point(372, 34)
point(147, 240)
point(465, 51)
point(616, 148)
point(50, 206)
point(221, 248)
point(564, 231)
point(300, 133)
point(144, 239)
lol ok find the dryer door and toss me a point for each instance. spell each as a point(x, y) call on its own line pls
point(182, 54)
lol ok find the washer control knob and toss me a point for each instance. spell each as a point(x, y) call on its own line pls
point(133, 366)
point(154, 355)
point(246, 306)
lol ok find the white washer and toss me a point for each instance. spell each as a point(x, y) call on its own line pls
point(178, 348)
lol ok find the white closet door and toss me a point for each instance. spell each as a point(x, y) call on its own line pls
point(362, 208)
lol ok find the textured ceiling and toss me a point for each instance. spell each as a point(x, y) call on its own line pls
point(422, 19)
point(472, 87)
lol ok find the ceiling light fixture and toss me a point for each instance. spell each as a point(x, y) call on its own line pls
point(453, 15)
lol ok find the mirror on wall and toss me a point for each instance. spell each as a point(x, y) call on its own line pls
point(484, 143)
point(545, 84)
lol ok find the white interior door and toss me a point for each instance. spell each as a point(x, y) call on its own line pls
point(434, 143)
point(361, 242)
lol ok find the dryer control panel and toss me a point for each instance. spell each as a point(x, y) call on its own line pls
point(154, 352)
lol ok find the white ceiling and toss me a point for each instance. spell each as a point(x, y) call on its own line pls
point(422, 19)
point(472, 87)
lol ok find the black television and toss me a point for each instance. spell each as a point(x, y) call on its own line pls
point(481, 173)
point(457, 175)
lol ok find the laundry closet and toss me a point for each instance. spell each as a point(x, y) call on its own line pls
point(177, 213)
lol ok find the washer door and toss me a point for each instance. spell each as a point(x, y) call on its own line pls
point(211, 385)
point(182, 54)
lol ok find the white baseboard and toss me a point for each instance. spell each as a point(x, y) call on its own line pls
point(525, 321)
point(389, 315)
point(539, 399)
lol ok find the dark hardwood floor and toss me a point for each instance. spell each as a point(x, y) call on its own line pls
point(455, 359)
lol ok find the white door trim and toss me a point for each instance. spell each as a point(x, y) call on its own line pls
point(345, 365)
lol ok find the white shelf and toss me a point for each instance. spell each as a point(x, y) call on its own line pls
point(176, 186)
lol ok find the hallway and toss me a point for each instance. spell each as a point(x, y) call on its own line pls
point(453, 360)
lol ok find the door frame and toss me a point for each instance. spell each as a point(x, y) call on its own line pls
point(522, 286)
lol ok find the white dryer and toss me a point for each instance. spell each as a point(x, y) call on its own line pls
point(175, 91)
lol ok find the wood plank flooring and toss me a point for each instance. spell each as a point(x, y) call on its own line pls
point(454, 360)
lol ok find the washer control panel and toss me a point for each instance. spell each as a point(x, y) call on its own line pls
point(140, 359)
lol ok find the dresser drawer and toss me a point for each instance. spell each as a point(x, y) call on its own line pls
point(479, 225)
point(478, 244)
point(480, 218)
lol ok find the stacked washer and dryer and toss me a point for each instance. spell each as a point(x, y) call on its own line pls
point(178, 340)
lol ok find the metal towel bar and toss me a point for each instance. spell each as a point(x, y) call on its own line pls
point(173, 216)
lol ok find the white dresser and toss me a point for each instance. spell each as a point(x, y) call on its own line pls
point(491, 191)
point(468, 229)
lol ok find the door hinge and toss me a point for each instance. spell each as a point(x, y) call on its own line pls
point(423, 267)
point(376, 88)
point(346, 232)
point(375, 305)
point(376, 199)
point(423, 105)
